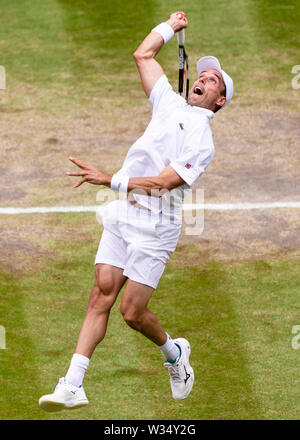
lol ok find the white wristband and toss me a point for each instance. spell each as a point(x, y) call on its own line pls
point(165, 31)
point(119, 183)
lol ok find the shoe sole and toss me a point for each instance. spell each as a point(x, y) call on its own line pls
point(50, 406)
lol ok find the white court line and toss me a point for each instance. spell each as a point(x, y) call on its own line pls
point(186, 207)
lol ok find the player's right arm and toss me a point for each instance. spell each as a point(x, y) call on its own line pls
point(149, 69)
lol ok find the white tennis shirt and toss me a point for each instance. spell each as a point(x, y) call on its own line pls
point(178, 135)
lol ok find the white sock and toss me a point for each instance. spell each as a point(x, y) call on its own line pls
point(169, 350)
point(77, 369)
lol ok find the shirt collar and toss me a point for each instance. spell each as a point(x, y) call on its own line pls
point(210, 114)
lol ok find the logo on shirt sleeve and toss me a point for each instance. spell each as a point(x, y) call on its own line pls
point(181, 125)
point(188, 166)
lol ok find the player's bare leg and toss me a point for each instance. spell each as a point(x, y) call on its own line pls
point(108, 282)
point(137, 315)
point(69, 393)
point(134, 308)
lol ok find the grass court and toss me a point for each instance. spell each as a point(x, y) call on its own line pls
point(72, 88)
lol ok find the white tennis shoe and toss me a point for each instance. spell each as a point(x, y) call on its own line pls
point(65, 396)
point(181, 373)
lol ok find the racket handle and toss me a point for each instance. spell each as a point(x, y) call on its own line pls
point(180, 37)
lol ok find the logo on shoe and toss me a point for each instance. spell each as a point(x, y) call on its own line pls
point(187, 375)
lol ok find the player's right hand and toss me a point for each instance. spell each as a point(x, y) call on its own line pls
point(178, 21)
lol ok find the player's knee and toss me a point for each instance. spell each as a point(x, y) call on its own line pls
point(105, 284)
point(102, 297)
point(132, 317)
point(132, 321)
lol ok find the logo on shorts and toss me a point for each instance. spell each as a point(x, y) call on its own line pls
point(181, 125)
point(188, 165)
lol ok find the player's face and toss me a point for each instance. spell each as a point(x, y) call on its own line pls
point(206, 91)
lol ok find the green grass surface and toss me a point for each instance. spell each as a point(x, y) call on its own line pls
point(238, 318)
point(68, 52)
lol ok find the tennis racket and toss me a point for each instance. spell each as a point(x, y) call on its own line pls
point(183, 80)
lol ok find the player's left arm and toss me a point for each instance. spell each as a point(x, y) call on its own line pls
point(168, 179)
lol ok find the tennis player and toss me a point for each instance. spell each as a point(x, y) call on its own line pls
point(141, 230)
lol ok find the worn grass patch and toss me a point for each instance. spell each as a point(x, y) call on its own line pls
point(74, 90)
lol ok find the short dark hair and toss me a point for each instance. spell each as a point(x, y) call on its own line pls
point(223, 93)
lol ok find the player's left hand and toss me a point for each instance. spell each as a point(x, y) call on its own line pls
point(89, 173)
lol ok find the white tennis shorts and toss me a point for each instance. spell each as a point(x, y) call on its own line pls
point(137, 241)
